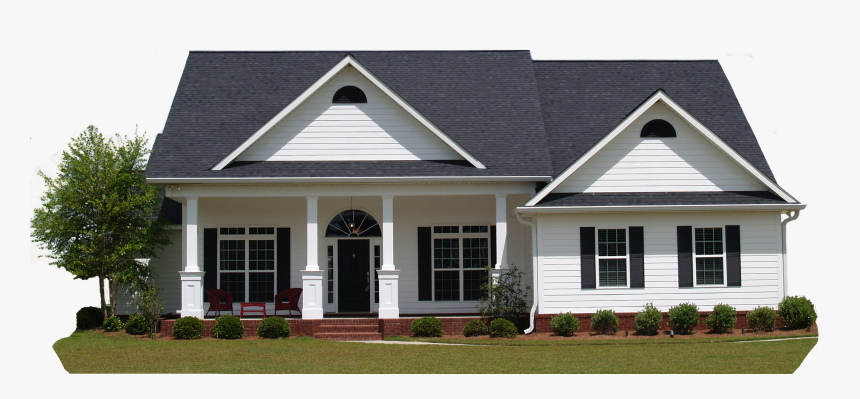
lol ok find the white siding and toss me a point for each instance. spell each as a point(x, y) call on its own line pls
point(321, 131)
point(689, 162)
point(167, 266)
point(559, 257)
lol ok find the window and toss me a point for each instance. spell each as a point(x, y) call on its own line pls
point(349, 94)
point(658, 128)
point(612, 258)
point(460, 257)
point(330, 272)
point(709, 256)
point(246, 263)
point(377, 264)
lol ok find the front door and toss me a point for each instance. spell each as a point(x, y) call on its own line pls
point(353, 274)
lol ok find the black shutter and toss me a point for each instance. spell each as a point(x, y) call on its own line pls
point(425, 269)
point(733, 256)
point(492, 246)
point(586, 257)
point(637, 257)
point(685, 256)
point(283, 261)
point(210, 258)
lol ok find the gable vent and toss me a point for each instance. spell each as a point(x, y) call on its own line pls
point(349, 94)
point(658, 128)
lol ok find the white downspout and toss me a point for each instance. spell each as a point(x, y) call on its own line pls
point(785, 252)
point(534, 274)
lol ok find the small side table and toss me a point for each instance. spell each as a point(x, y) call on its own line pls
point(253, 305)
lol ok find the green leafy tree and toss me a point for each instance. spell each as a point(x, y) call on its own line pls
point(99, 213)
point(506, 298)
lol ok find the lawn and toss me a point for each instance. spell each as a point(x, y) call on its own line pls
point(92, 352)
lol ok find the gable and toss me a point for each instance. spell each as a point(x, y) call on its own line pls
point(688, 162)
point(320, 130)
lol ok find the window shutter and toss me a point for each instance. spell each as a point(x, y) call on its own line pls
point(685, 256)
point(637, 257)
point(733, 256)
point(586, 257)
point(425, 267)
point(210, 258)
point(283, 260)
point(492, 246)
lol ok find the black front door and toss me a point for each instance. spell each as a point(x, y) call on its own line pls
point(353, 274)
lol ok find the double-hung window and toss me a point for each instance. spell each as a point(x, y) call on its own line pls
point(460, 257)
point(709, 256)
point(246, 263)
point(612, 258)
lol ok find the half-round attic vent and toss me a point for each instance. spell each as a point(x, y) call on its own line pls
point(349, 94)
point(658, 128)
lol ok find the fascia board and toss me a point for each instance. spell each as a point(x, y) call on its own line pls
point(658, 208)
point(348, 60)
point(306, 180)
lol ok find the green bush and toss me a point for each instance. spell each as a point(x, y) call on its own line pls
point(474, 328)
point(505, 298)
point(648, 320)
point(604, 322)
point(503, 328)
point(274, 327)
point(683, 318)
point(89, 318)
point(564, 324)
point(188, 327)
point(136, 325)
point(112, 324)
point(797, 312)
point(427, 327)
point(722, 319)
point(228, 327)
point(762, 318)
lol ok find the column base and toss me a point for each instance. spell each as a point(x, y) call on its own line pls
point(389, 307)
point(312, 294)
point(192, 294)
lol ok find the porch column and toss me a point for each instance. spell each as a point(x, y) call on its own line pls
point(191, 277)
point(388, 275)
point(312, 276)
point(501, 236)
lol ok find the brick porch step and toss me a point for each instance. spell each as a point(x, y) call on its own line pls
point(349, 336)
point(348, 328)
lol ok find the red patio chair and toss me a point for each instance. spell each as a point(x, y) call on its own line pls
point(292, 295)
point(215, 296)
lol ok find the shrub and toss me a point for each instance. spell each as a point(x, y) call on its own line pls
point(89, 318)
point(722, 319)
point(648, 320)
point(474, 328)
point(274, 327)
point(136, 325)
point(228, 327)
point(797, 312)
point(503, 328)
point(188, 327)
point(564, 324)
point(112, 324)
point(762, 318)
point(683, 318)
point(505, 298)
point(604, 322)
point(150, 306)
point(427, 327)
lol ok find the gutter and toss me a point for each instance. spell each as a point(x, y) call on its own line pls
point(311, 180)
point(534, 273)
point(791, 216)
point(659, 208)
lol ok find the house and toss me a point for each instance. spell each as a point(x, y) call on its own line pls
point(382, 183)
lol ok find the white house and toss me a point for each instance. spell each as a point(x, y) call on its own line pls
point(382, 183)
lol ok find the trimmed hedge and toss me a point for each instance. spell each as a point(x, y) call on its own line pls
point(648, 320)
point(762, 318)
point(474, 328)
point(137, 325)
point(683, 318)
point(604, 322)
point(274, 327)
point(188, 327)
point(228, 327)
point(112, 324)
point(427, 327)
point(89, 317)
point(722, 319)
point(797, 312)
point(503, 328)
point(565, 324)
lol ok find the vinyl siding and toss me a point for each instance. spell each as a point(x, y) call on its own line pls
point(167, 266)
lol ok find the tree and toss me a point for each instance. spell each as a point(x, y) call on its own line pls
point(504, 298)
point(99, 213)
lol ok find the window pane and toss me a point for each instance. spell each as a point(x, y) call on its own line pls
point(234, 283)
point(476, 253)
point(472, 280)
point(709, 241)
point(232, 231)
point(475, 229)
point(612, 242)
point(613, 272)
point(261, 230)
point(709, 271)
point(377, 262)
point(261, 255)
point(446, 229)
point(447, 286)
point(261, 287)
point(330, 256)
point(232, 255)
point(446, 253)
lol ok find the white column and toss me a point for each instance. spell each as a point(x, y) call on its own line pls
point(312, 276)
point(501, 232)
point(191, 277)
point(389, 307)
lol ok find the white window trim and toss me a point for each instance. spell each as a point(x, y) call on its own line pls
point(460, 235)
point(723, 257)
point(597, 257)
point(247, 237)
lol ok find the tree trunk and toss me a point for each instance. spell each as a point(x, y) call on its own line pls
point(102, 295)
point(112, 289)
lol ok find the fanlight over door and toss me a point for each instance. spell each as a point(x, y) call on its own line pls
point(353, 223)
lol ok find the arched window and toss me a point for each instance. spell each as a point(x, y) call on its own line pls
point(349, 94)
point(658, 128)
point(353, 223)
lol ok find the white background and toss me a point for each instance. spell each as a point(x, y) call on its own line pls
point(793, 67)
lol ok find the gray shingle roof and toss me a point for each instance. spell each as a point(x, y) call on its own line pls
point(675, 198)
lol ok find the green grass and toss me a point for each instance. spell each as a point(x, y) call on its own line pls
point(90, 352)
